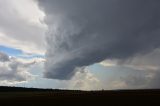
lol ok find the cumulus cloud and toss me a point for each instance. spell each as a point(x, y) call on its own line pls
point(84, 32)
point(13, 71)
point(84, 80)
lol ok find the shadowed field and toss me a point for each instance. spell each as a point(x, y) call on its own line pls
point(43, 97)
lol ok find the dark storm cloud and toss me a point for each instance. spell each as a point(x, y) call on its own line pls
point(84, 32)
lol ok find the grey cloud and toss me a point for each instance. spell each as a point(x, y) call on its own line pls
point(11, 75)
point(4, 57)
point(84, 32)
point(12, 70)
point(154, 83)
point(142, 71)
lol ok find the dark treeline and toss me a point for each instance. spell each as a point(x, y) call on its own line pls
point(8, 88)
point(22, 89)
point(138, 91)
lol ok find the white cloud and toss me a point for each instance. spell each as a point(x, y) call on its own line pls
point(108, 63)
point(29, 11)
point(84, 80)
point(25, 46)
point(21, 25)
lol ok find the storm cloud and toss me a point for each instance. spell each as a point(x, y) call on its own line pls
point(84, 32)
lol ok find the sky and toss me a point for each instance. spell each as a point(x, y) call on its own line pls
point(80, 44)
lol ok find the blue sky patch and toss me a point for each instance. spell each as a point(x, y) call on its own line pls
point(18, 53)
point(11, 51)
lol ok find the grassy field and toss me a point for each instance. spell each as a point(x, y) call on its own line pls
point(47, 97)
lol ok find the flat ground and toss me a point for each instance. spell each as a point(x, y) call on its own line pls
point(45, 97)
